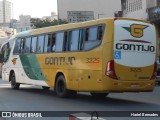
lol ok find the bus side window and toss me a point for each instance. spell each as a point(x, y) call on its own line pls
point(59, 41)
point(65, 46)
point(22, 45)
point(53, 47)
point(40, 44)
point(17, 47)
point(81, 39)
point(34, 45)
point(92, 40)
point(86, 34)
point(73, 40)
point(27, 45)
point(5, 52)
point(47, 43)
point(100, 32)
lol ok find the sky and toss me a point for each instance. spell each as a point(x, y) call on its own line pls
point(35, 8)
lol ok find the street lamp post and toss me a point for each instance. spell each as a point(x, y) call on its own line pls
point(57, 12)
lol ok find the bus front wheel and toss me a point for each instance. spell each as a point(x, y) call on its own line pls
point(14, 84)
point(61, 89)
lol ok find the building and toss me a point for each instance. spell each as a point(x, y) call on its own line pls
point(50, 18)
point(2, 33)
point(5, 11)
point(137, 8)
point(83, 10)
point(7, 32)
point(24, 23)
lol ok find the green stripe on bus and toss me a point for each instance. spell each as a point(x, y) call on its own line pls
point(31, 67)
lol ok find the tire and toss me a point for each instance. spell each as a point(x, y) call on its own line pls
point(61, 89)
point(99, 95)
point(14, 84)
point(45, 88)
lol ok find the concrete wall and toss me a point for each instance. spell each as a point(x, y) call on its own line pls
point(142, 14)
point(151, 3)
point(139, 14)
point(105, 7)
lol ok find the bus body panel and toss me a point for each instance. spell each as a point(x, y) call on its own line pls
point(84, 65)
point(134, 49)
point(133, 69)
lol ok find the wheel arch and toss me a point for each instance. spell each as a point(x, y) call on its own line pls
point(12, 71)
point(58, 73)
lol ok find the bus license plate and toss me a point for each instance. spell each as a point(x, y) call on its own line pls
point(135, 85)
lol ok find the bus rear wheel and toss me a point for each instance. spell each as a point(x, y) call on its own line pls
point(14, 84)
point(99, 95)
point(61, 89)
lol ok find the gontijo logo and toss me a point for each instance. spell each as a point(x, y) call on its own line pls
point(139, 45)
point(136, 30)
point(14, 61)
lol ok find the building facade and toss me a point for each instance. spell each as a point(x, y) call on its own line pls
point(137, 8)
point(24, 23)
point(5, 11)
point(50, 18)
point(81, 10)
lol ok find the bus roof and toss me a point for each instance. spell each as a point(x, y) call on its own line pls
point(70, 26)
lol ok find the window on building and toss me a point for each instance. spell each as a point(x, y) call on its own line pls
point(158, 2)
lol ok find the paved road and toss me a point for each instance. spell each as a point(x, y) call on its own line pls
point(33, 98)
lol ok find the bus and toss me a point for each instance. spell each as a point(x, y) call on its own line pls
point(99, 56)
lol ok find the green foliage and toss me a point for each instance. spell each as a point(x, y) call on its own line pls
point(38, 23)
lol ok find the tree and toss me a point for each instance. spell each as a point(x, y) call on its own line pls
point(38, 23)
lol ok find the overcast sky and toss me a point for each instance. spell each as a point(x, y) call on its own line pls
point(35, 8)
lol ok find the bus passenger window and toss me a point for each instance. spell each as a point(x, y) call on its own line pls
point(65, 41)
point(47, 43)
point(73, 40)
point(34, 44)
point(40, 44)
point(22, 45)
point(93, 33)
point(92, 40)
point(17, 47)
point(86, 34)
point(59, 41)
point(100, 32)
point(53, 43)
point(5, 52)
point(81, 38)
point(27, 45)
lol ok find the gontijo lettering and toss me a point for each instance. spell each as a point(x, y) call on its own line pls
point(135, 47)
point(59, 60)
